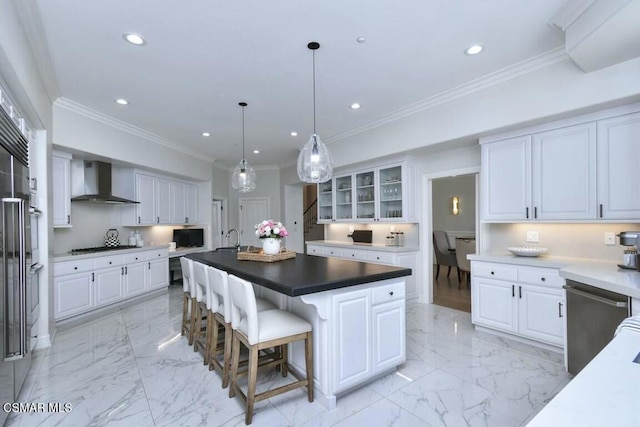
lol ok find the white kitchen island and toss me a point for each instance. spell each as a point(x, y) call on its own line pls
point(356, 309)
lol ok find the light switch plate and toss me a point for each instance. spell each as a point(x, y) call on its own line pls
point(609, 238)
point(532, 236)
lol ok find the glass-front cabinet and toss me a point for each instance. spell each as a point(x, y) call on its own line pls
point(325, 202)
point(390, 189)
point(366, 193)
point(344, 198)
point(369, 195)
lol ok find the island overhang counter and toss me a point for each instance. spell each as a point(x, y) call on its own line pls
point(356, 309)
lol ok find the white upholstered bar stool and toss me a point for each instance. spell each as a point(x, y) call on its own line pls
point(188, 298)
point(262, 330)
point(221, 322)
point(201, 282)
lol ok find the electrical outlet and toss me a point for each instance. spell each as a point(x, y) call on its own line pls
point(609, 238)
point(532, 237)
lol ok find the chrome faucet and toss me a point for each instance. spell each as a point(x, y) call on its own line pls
point(237, 233)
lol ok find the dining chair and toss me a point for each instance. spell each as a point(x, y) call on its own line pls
point(465, 247)
point(260, 331)
point(445, 255)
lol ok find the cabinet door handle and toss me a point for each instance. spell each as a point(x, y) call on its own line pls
point(186, 219)
point(69, 218)
point(527, 212)
point(122, 271)
point(93, 277)
point(391, 293)
point(600, 210)
point(492, 273)
point(110, 262)
point(543, 279)
point(149, 266)
point(138, 220)
point(535, 212)
point(158, 220)
point(125, 271)
point(560, 310)
point(513, 291)
point(520, 292)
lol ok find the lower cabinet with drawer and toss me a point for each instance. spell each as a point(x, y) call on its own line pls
point(361, 356)
point(90, 283)
point(521, 300)
point(399, 259)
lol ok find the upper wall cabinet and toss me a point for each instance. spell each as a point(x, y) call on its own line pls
point(618, 173)
point(370, 195)
point(544, 176)
point(162, 200)
point(61, 173)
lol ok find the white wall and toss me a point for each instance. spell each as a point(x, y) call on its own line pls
point(563, 240)
point(267, 185)
point(220, 185)
point(444, 189)
point(79, 132)
point(558, 90)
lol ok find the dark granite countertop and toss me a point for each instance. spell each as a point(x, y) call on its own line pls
point(304, 274)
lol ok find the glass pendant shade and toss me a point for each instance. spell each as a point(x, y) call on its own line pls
point(315, 164)
point(244, 177)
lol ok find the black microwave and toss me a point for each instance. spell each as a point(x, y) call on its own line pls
point(188, 237)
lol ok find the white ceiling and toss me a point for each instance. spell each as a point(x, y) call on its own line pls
point(203, 56)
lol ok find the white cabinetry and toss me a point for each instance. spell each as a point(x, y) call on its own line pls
point(161, 200)
point(61, 176)
point(399, 259)
point(524, 301)
point(545, 176)
point(378, 344)
point(89, 283)
point(370, 195)
point(618, 176)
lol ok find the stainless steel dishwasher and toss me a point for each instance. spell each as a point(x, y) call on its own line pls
point(593, 315)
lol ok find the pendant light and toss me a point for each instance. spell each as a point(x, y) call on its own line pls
point(244, 176)
point(315, 164)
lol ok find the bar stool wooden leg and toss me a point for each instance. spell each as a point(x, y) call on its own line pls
point(253, 377)
point(284, 356)
point(185, 313)
point(228, 335)
point(308, 353)
point(194, 313)
point(212, 334)
point(234, 365)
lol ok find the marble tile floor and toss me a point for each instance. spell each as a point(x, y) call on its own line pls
point(132, 368)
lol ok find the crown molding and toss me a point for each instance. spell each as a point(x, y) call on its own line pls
point(569, 12)
point(89, 113)
point(33, 29)
point(544, 60)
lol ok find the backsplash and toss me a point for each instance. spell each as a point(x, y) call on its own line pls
point(340, 232)
point(566, 240)
point(91, 222)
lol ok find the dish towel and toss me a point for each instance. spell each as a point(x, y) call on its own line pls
point(630, 323)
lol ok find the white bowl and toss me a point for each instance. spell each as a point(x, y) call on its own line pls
point(527, 250)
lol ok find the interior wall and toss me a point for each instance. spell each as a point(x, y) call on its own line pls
point(220, 182)
point(78, 132)
point(544, 93)
point(443, 191)
point(267, 185)
point(561, 240)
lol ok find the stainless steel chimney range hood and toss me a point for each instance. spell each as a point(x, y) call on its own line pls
point(96, 185)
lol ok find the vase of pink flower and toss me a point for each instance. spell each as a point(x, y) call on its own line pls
point(271, 233)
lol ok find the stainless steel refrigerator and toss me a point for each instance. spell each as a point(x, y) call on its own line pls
point(15, 253)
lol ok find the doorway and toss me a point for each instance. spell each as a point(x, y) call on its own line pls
point(253, 210)
point(218, 223)
point(438, 214)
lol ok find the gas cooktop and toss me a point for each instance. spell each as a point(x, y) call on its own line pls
point(99, 249)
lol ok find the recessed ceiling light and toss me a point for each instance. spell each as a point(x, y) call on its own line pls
point(206, 134)
point(122, 101)
point(361, 39)
point(134, 38)
point(294, 133)
point(474, 49)
point(354, 106)
point(256, 151)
